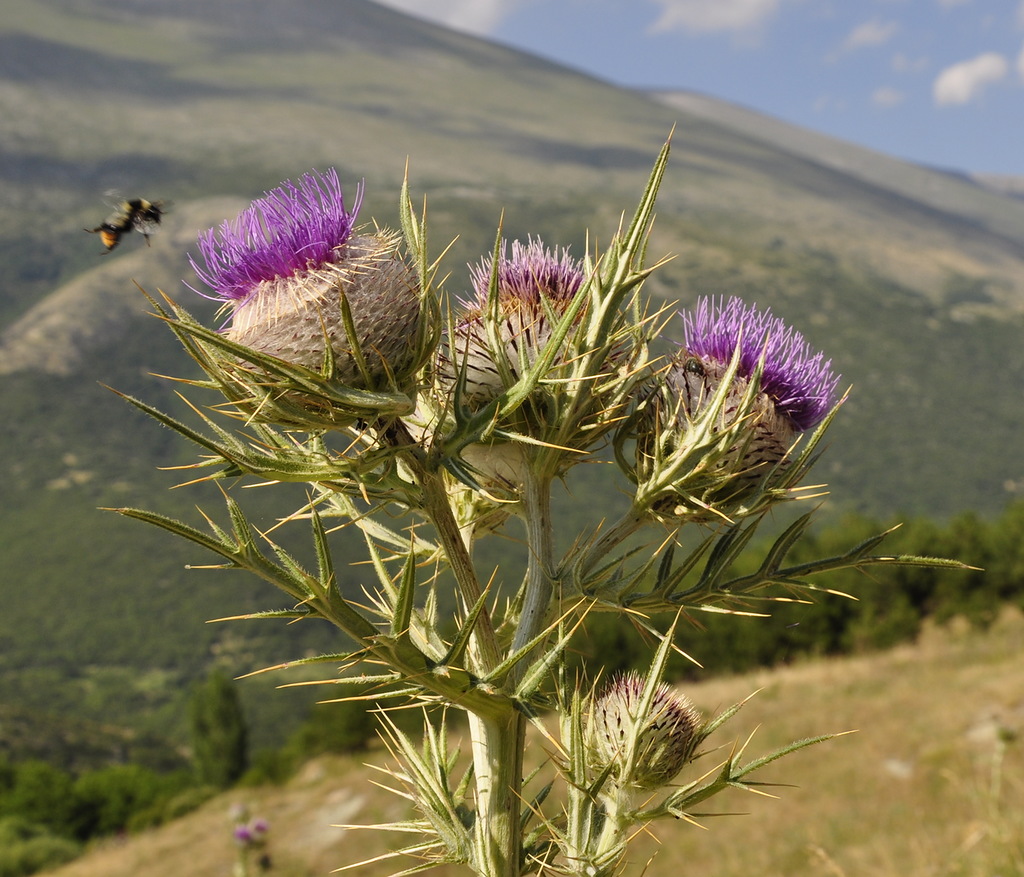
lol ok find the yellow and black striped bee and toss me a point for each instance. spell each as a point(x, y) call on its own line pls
point(137, 213)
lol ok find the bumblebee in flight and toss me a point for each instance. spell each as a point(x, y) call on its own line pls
point(138, 213)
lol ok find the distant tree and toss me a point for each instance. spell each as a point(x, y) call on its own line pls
point(220, 737)
point(107, 799)
point(1006, 566)
point(41, 794)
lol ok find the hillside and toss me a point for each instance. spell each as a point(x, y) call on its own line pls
point(911, 279)
point(956, 194)
point(910, 793)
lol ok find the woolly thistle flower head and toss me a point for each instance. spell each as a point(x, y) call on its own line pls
point(705, 448)
point(799, 381)
point(531, 274)
point(661, 739)
point(533, 285)
point(288, 264)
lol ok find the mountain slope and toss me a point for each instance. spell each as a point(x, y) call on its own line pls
point(912, 280)
point(951, 193)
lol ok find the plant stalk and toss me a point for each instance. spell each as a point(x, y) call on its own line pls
point(498, 743)
point(539, 584)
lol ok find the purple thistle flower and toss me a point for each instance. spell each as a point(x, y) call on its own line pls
point(531, 274)
point(294, 228)
point(533, 282)
point(243, 835)
point(800, 383)
point(296, 275)
point(796, 391)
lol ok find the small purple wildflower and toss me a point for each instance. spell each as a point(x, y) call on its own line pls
point(531, 273)
point(243, 835)
point(294, 228)
point(801, 383)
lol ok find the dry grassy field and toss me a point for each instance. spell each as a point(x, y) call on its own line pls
point(930, 785)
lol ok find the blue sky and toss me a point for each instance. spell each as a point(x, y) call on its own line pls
point(938, 82)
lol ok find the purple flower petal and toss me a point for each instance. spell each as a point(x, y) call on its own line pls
point(295, 227)
point(533, 271)
point(799, 381)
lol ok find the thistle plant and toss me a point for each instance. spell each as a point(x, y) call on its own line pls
point(250, 837)
point(428, 421)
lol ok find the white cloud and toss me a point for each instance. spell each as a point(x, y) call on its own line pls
point(713, 15)
point(949, 4)
point(1020, 63)
point(963, 82)
point(479, 17)
point(887, 98)
point(871, 33)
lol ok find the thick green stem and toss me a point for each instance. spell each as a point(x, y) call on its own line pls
point(611, 844)
point(539, 585)
point(498, 744)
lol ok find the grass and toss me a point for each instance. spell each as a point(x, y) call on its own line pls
point(931, 785)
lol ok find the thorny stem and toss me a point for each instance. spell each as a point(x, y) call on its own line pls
point(438, 509)
point(617, 803)
point(498, 743)
point(498, 738)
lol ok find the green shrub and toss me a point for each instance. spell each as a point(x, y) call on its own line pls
point(40, 794)
point(334, 727)
point(271, 767)
point(26, 848)
point(106, 800)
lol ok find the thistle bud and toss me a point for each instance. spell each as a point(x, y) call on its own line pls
point(289, 266)
point(690, 384)
point(661, 740)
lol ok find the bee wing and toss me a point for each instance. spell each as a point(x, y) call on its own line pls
point(113, 198)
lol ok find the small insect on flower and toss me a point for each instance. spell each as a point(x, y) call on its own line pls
point(136, 213)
